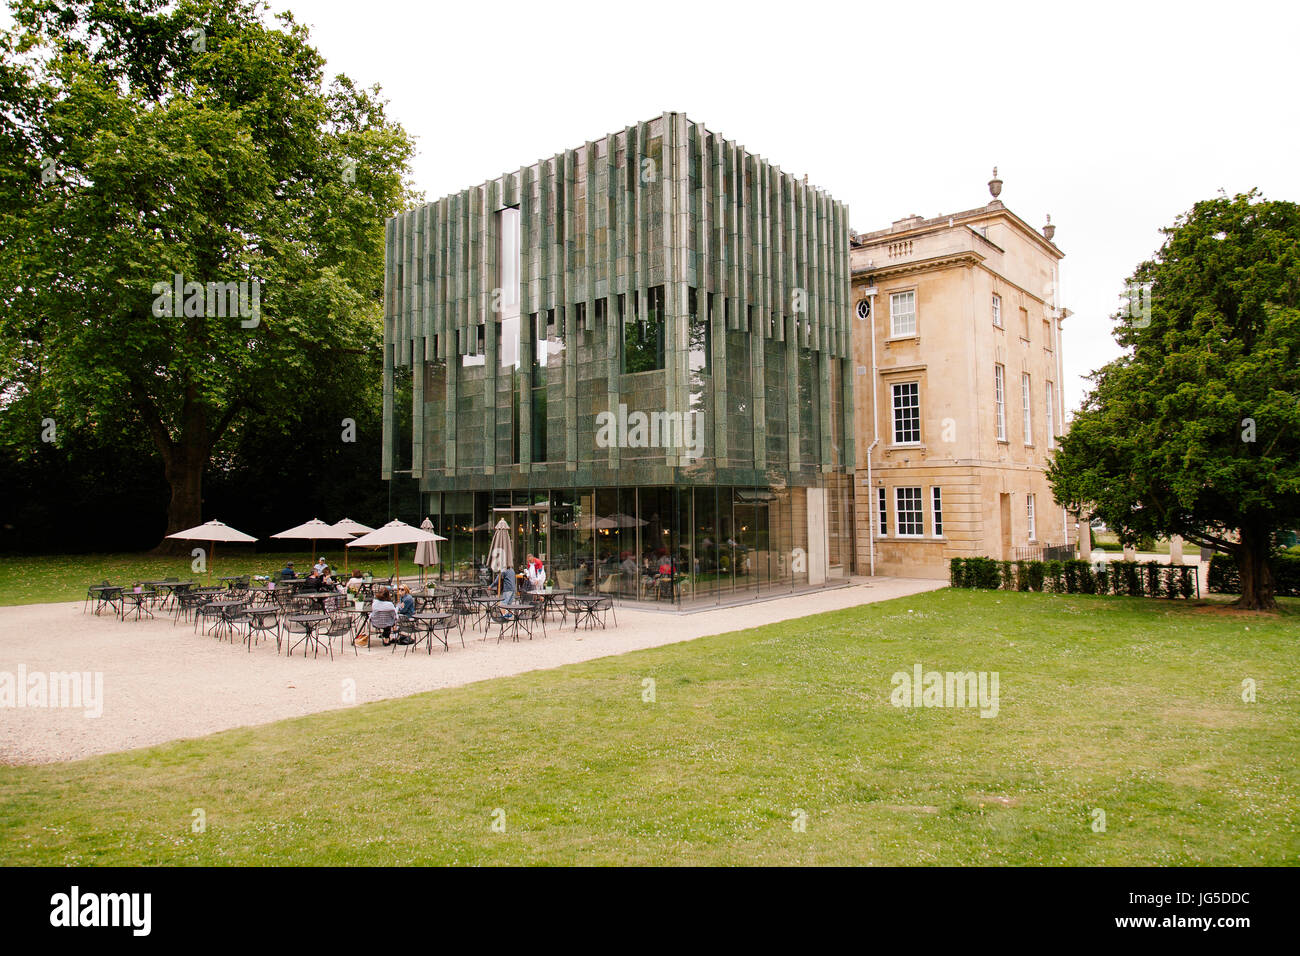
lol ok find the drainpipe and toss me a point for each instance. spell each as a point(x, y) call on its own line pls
point(875, 435)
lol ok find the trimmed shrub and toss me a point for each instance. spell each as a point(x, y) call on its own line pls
point(1127, 580)
point(1151, 572)
point(956, 567)
point(1022, 575)
point(1037, 574)
point(1224, 578)
point(1170, 582)
point(1186, 582)
point(981, 573)
point(1101, 580)
point(1008, 576)
point(1054, 572)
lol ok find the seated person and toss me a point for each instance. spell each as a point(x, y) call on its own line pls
point(287, 572)
point(354, 582)
point(320, 566)
point(406, 602)
point(383, 614)
point(313, 581)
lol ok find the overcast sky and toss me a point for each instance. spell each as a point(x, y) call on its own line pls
point(1112, 117)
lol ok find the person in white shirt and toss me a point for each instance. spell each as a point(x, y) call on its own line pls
point(535, 572)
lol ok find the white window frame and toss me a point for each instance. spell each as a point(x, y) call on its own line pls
point(894, 315)
point(1051, 415)
point(1029, 511)
point(1026, 400)
point(883, 498)
point(894, 409)
point(916, 517)
point(936, 511)
point(997, 310)
point(1000, 400)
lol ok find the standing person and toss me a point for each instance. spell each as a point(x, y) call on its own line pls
point(536, 573)
point(383, 613)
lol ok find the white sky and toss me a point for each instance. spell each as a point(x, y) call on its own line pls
point(1112, 117)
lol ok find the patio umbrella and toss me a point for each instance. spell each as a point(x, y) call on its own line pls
point(627, 521)
point(501, 552)
point(212, 532)
point(352, 528)
point(312, 531)
point(395, 533)
point(426, 552)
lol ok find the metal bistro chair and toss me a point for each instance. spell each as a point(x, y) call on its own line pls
point(340, 626)
point(404, 628)
point(605, 607)
point(208, 615)
point(92, 594)
point(186, 603)
point(262, 620)
point(239, 617)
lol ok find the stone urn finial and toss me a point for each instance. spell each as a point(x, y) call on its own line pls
point(1049, 230)
point(995, 184)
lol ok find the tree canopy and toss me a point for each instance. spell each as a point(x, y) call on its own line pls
point(144, 141)
point(1196, 430)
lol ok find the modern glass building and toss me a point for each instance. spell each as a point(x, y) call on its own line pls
point(636, 352)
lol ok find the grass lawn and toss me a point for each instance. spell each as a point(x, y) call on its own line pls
point(40, 579)
point(1125, 705)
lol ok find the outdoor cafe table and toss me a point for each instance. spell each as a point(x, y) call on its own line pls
point(517, 612)
point(586, 610)
point(426, 620)
point(309, 622)
point(484, 601)
point(550, 599)
point(172, 588)
point(139, 598)
point(359, 617)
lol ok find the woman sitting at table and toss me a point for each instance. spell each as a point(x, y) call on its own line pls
point(406, 603)
point(383, 615)
point(354, 582)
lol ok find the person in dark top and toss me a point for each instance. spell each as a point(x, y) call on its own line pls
point(287, 572)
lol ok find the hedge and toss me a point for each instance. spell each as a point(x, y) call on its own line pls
point(1224, 579)
point(1151, 579)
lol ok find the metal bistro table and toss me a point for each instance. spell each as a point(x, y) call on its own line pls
point(360, 615)
point(139, 598)
point(308, 622)
point(518, 615)
point(426, 621)
point(484, 601)
point(552, 599)
point(586, 609)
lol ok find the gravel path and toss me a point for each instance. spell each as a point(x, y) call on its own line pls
point(162, 682)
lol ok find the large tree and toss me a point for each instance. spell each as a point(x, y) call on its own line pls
point(148, 140)
point(1196, 430)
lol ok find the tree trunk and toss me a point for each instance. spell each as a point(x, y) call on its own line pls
point(1256, 575)
point(184, 470)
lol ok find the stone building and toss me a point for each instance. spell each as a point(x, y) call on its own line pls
point(638, 353)
point(957, 342)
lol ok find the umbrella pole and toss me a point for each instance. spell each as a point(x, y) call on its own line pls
point(212, 556)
